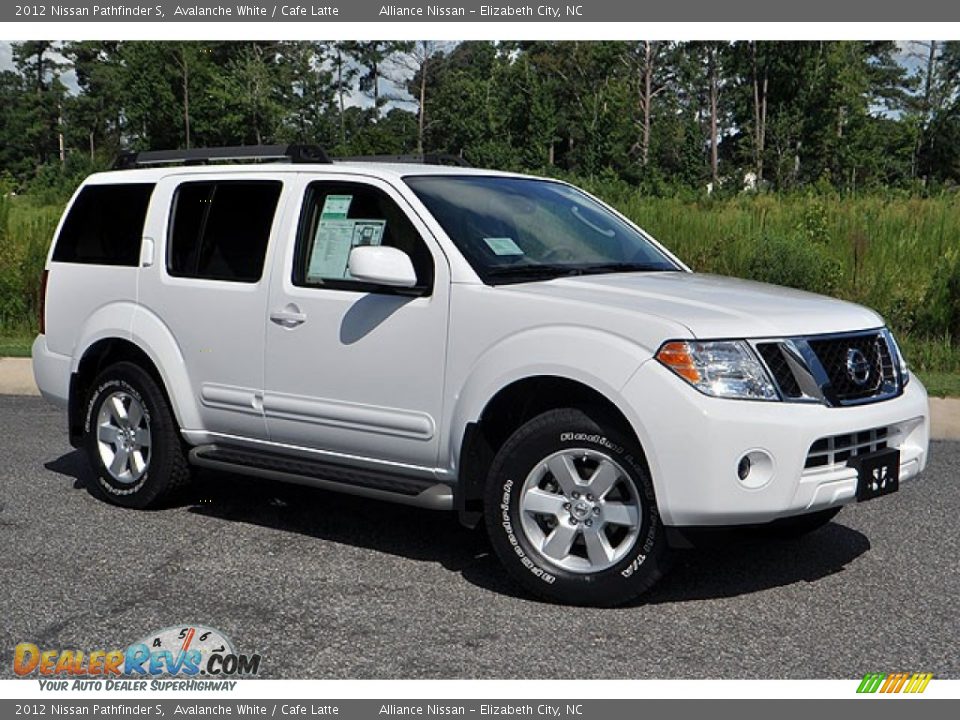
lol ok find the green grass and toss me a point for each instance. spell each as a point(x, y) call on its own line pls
point(941, 384)
point(17, 346)
point(898, 255)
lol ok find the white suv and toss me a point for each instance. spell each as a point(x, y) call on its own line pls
point(504, 346)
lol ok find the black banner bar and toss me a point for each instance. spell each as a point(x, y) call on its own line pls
point(573, 11)
point(492, 709)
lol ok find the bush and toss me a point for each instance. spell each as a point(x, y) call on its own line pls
point(53, 184)
point(25, 233)
point(939, 313)
point(795, 262)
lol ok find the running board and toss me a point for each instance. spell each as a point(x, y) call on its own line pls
point(327, 476)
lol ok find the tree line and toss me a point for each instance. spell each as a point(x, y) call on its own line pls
point(851, 116)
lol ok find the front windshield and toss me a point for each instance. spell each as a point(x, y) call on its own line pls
point(522, 229)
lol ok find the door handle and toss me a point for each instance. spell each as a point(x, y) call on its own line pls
point(289, 317)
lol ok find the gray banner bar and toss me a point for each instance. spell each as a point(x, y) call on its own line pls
point(493, 11)
point(108, 709)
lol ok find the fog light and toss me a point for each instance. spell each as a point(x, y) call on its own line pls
point(755, 469)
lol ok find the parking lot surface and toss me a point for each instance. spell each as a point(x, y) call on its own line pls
point(329, 586)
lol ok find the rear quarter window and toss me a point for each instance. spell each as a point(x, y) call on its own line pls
point(105, 225)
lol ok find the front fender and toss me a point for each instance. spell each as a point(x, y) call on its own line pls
point(598, 359)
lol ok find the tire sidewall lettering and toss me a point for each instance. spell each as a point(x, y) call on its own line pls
point(509, 502)
point(506, 522)
point(645, 488)
point(93, 407)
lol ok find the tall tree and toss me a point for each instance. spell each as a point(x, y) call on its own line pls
point(309, 92)
point(344, 72)
point(39, 64)
point(184, 57)
point(371, 57)
point(98, 108)
point(417, 64)
point(647, 61)
point(249, 92)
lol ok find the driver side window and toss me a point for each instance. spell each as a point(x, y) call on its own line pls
point(339, 216)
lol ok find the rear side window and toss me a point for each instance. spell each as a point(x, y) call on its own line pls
point(105, 225)
point(220, 230)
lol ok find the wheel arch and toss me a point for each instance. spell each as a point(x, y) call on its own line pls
point(512, 405)
point(106, 350)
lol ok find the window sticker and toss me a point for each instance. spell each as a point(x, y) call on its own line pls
point(368, 232)
point(503, 246)
point(332, 244)
point(336, 207)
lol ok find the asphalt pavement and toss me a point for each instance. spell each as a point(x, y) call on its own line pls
point(328, 586)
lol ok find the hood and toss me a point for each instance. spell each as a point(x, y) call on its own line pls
point(712, 306)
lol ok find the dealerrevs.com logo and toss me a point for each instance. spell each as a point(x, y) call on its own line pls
point(187, 657)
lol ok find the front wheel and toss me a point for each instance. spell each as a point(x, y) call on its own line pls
point(571, 511)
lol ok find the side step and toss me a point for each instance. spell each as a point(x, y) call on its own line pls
point(328, 476)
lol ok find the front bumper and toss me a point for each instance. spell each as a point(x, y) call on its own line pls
point(694, 444)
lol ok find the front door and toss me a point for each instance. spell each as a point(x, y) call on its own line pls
point(355, 371)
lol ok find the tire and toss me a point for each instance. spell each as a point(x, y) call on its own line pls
point(132, 439)
point(791, 528)
point(553, 535)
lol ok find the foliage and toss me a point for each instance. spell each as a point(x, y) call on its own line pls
point(838, 116)
point(794, 262)
point(25, 233)
point(831, 166)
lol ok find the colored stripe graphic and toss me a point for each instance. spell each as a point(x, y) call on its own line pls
point(889, 683)
point(918, 683)
point(871, 682)
point(913, 683)
point(901, 682)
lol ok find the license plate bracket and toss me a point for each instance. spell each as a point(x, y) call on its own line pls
point(878, 473)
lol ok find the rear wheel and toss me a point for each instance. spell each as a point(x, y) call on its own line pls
point(132, 439)
point(571, 511)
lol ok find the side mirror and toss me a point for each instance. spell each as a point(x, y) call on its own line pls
point(382, 266)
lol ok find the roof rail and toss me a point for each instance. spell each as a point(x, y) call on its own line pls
point(205, 156)
point(425, 159)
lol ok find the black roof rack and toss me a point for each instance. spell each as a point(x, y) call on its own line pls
point(205, 156)
point(425, 159)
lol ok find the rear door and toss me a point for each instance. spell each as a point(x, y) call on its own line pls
point(354, 370)
point(208, 284)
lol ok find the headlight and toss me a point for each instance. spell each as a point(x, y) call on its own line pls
point(725, 368)
point(898, 358)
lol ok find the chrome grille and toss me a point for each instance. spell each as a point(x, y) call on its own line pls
point(833, 355)
point(782, 374)
point(836, 450)
point(834, 370)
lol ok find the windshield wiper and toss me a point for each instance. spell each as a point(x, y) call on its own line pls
point(519, 273)
point(616, 267)
point(522, 273)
